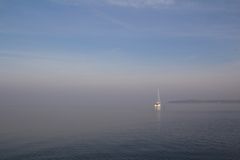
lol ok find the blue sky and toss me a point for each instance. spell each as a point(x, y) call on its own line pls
point(171, 44)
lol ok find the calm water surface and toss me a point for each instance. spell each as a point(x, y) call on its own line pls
point(179, 132)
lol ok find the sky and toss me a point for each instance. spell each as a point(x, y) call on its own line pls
point(121, 48)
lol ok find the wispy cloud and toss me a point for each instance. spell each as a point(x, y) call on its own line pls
point(68, 2)
point(122, 3)
point(215, 5)
point(141, 3)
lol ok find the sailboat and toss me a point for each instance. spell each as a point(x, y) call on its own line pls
point(157, 105)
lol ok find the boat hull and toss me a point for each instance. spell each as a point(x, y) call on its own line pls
point(157, 107)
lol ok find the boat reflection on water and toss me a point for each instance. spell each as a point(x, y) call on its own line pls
point(157, 115)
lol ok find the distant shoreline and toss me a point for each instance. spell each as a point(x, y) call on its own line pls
point(204, 101)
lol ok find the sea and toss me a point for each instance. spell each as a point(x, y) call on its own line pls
point(191, 131)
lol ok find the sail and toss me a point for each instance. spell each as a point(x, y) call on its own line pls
point(158, 96)
point(157, 105)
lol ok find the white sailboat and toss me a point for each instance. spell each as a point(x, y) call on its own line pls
point(157, 105)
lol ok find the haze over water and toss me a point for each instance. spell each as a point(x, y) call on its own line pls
point(79, 78)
